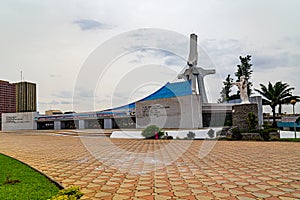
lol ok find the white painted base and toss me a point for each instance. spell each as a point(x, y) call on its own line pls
point(289, 134)
point(199, 134)
point(127, 134)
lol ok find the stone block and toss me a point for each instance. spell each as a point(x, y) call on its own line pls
point(240, 115)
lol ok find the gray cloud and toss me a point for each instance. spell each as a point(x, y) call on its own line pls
point(174, 61)
point(87, 93)
point(89, 24)
point(66, 102)
point(271, 61)
point(53, 102)
point(63, 94)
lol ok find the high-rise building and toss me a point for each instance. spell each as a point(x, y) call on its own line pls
point(25, 97)
point(7, 98)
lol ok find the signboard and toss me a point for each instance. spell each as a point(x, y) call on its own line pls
point(19, 121)
point(289, 119)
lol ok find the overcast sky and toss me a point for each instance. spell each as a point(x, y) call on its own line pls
point(51, 40)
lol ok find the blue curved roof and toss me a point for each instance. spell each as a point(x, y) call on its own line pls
point(171, 90)
point(167, 91)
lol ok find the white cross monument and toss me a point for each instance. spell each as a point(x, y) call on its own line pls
point(196, 74)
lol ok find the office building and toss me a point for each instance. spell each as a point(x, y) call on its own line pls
point(7, 98)
point(25, 97)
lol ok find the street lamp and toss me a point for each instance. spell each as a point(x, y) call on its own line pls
point(293, 102)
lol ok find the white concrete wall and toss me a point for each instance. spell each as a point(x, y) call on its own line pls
point(289, 134)
point(181, 134)
point(176, 112)
point(127, 134)
point(19, 121)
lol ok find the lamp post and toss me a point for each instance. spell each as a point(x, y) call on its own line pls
point(293, 102)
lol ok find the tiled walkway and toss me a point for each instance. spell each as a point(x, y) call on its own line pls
point(152, 169)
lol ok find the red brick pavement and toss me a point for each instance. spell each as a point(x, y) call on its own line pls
point(120, 168)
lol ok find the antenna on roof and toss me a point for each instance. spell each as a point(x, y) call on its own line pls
point(21, 76)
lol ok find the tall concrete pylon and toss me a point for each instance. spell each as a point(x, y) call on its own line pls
point(196, 74)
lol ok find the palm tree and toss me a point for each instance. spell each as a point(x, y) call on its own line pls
point(275, 95)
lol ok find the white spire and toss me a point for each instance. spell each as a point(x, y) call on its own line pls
point(194, 73)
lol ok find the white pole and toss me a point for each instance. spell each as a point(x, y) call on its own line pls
point(295, 129)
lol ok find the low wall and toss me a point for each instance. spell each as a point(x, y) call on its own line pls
point(181, 134)
point(19, 121)
point(289, 134)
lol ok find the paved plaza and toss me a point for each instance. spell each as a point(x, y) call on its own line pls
point(160, 169)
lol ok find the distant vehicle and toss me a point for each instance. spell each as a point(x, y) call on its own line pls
point(57, 113)
point(69, 112)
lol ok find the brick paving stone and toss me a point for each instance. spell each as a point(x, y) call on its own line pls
point(261, 194)
point(221, 194)
point(272, 198)
point(232, 170)
point(120, 197)
point(229, 185)
point(160, 197)
point(245, 198)
point(205, 196)
point(286, 198)
point(102, 194)
point(275, 192)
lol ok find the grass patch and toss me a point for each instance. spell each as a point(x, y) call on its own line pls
point(19, 181)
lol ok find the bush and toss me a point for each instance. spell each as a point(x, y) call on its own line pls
point(72, 193)
point(149, 132)
point(265, 133)
point(252, 120)
point(236, 134)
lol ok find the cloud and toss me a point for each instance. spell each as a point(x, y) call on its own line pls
point(141, 56)
point(271, 61)
point(53, 102)
point(63, 94)
point(174, 61)
point(84, 93)
point(89, 24)
point(66, 102)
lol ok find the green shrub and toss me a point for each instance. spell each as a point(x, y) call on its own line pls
point(149, 132)
point(72, 193)
point(265, 133)
point(252, 120)
point(236, 134)
point(265, 136)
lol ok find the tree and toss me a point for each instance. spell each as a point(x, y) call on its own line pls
point(225, 92)
point(275, 95)
point(244, 69)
